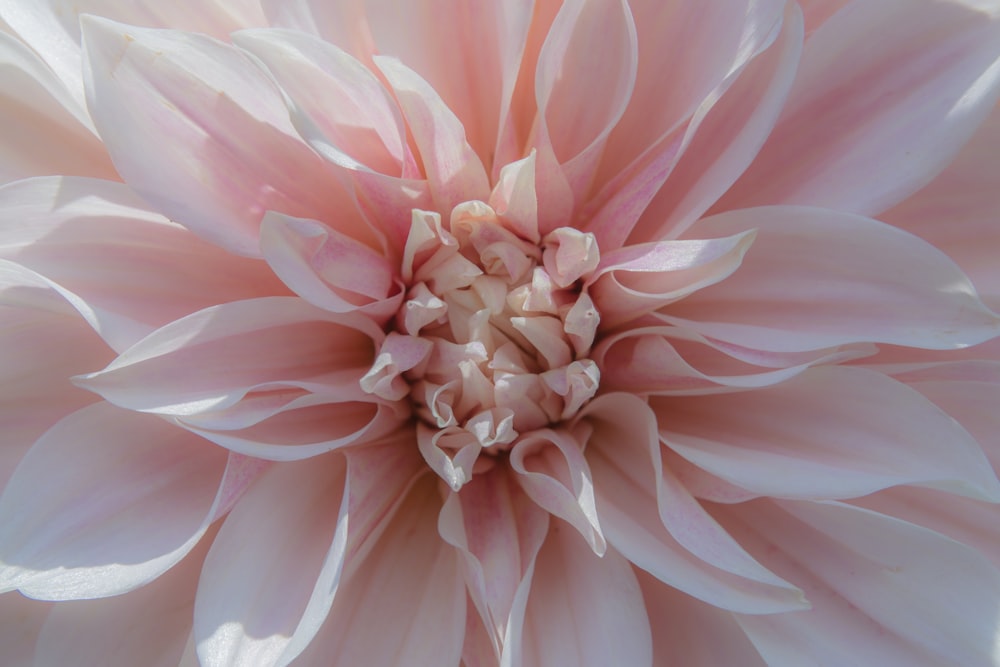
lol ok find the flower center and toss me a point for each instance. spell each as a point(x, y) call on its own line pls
point(493, 337)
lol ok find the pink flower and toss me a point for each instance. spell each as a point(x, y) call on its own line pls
point(500, 333)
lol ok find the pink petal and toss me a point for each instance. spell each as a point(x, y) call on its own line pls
point(276, 562)
point(53, 343)
point(454, 172)
point(159, 110)
point(584, 610)
point(128, 264)
point(690, 632)
point(652, 520)
point(52, 27)
point(726, 133)
point(635, 280)
point(497, 531)
point(383, 614)
point(897, 92)
point(883, 591)
point(816, 278)
point(21, 619)
point(274, 378)
point(573, 125)
point(149, 626)
point(328, 269)
point(957, 211)
point(104, 502)
point(53, 131)
point(830, 432)
point(553, 472)
point(668, 361)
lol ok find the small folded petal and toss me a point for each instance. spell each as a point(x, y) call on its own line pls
point(830, 432)
point(132, 494)
point(816, 278)
point(211, 147)
point(583, 610)
point(896, 92)
point(884, 591)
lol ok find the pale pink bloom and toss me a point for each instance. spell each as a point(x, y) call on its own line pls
point(582, 333)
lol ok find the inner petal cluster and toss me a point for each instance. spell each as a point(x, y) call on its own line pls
point(493, 337)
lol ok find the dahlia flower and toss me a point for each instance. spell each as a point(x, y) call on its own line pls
point(469, 332)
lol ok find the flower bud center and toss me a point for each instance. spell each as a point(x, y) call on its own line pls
point(494, 333)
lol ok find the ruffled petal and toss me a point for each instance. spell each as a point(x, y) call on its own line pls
point(816, 278)
point(132, 494)
point(200, 132)
point(897, 93)
point(830, 432)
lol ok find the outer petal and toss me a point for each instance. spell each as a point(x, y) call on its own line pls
point(897, 93)
point(383, 614)
point(132, 494)
point(52, 134)
point(654, 522)
point(195, 128)
point(497, 531)
point(273, 377)
point(133, 268)
point(21, 619)
point(691, 632)
point(957, 211)
point(884, 591)
point(52, 27)
point(583, 611)
point(149, 626)
point(816, 278)
point(831, 432)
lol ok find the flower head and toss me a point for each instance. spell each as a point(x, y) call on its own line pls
point(500, 333)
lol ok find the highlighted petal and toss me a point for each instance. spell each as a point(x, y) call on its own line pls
point(132, 494)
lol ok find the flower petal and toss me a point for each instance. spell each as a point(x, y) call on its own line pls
point(149, 626)
point(896, 92)
point(132, 494)
point(53, 131)
point(884, 591)
point(657, 525)
point(830, 432)
point(164, 101)
point(584, 610)
point(21, 619)
point(383, 612)
point(553, 472)
point(100, 241)
point(691, 632)
point(816, 278)
point(328, 269)
point(497, 531)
